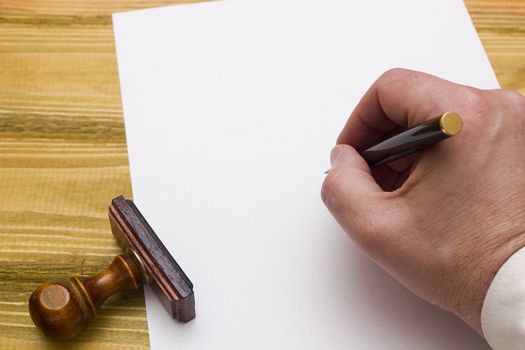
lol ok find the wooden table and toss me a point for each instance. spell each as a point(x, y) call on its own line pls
point(63, 151)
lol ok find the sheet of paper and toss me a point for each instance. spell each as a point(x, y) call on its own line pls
point(231, 109)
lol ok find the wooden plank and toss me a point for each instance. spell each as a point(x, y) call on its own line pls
point(63, 152)
point(63, 158)
point(501, 28)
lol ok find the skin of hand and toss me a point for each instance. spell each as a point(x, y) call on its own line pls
point(443, 221)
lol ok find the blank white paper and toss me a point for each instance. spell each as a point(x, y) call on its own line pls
point(231, 109)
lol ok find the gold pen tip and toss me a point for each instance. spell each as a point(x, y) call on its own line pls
point(451, 123)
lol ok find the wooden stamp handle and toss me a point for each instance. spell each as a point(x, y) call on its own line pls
point(61, 309)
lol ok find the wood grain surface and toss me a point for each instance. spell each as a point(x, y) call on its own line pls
point(63, 152)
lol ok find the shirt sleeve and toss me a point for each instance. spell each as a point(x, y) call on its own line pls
point(503, 312)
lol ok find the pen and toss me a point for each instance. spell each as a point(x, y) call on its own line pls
point(414, 139)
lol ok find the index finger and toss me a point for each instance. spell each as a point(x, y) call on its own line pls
point(400, 98)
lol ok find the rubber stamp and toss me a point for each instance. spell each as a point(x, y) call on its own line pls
point(62, 308)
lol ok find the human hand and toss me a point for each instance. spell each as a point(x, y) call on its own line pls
point(444, 221)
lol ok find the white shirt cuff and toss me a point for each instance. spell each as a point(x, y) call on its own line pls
point(503, 312)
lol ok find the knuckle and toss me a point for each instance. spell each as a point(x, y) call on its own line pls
point(393, 75)
point(512, 110)
point(330, 190)
point(513, 99)
point(481, 108)
point(366, 234)
point(511, 96)
point(495, 111)
point(477, 100)
point(374, 232)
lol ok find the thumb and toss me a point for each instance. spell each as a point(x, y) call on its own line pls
point(349, 190)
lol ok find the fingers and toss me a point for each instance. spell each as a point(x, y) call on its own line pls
point(399, 97)
point(349, 190)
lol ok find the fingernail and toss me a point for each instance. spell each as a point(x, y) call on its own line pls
point(334, 153)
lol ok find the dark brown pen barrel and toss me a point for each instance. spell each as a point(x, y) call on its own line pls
point(414, 139)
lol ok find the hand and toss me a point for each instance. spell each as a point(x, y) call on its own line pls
point(441, 222)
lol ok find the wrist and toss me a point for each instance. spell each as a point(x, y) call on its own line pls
point(477, 278)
